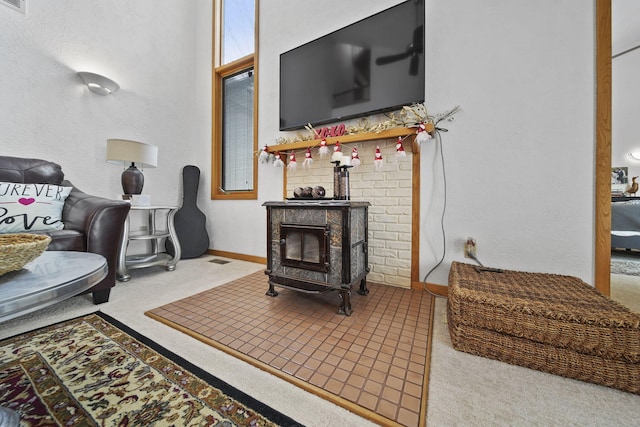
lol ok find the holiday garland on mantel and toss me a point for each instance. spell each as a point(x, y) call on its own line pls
point(413, 116)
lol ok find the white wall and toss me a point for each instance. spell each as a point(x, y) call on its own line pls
point(149, 47)
point(519, 157)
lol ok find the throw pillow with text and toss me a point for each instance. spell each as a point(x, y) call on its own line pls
point(31, 207)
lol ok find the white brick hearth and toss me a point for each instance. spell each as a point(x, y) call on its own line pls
point(389, 193)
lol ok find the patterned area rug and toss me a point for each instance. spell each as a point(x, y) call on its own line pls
point(375, 362)
point(95, 371)
point(627, 263)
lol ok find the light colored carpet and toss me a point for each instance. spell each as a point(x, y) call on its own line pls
point(626, 290)
point(625, 279)
point(627, 263)
point(464, 390)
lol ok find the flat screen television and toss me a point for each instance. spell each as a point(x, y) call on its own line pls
point(369, 67)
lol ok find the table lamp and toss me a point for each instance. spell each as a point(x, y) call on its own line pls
point(126, 151)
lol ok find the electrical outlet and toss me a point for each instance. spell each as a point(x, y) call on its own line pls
point(470, 248)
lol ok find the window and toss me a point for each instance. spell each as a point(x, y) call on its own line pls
point(237, 131)
point(234, 163)
point(238, 29)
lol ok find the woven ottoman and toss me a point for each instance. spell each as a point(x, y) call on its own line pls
point(553, 323)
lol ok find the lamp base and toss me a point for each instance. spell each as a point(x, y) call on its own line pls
point(132, 180)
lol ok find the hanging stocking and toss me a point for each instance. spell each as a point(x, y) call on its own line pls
point(264, 155)
point(293, 165)
point(277, 161)
point(323, 151)
point(377, 161)
point(421, 134)
point(355, 160)
point(337, 152)
point(400, 153)
point(308, 160)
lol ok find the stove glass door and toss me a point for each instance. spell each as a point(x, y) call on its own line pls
point(305, 246)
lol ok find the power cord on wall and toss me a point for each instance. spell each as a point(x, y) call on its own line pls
point(481, 268)
point(438, 140)
point(475, 258)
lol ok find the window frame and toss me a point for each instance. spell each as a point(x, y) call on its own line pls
point(219, 73)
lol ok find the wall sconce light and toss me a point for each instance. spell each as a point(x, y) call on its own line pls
point(635, 155)
point(125, 151)
point(98, 84)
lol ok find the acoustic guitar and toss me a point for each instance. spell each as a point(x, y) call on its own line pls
point(189, 221)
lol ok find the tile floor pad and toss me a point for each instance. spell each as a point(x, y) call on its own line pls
point(377, 358)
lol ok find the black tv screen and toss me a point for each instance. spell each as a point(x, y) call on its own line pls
point(371, 66)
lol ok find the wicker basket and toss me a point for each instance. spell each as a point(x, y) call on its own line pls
point(549, 322)
point(16, 250)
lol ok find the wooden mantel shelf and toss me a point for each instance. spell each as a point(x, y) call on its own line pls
point(345, 139)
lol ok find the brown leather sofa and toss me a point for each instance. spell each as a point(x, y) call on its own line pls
point(91, 224)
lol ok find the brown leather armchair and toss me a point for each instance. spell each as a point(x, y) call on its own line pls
point(91, 224)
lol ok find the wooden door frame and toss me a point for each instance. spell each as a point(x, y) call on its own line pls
point(602, 273)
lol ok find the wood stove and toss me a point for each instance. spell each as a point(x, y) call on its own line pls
point(317, 246)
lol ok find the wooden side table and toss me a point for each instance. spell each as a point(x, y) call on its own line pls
point(152, 235)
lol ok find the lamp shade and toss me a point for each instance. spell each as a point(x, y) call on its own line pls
point(127, 151)
point(124, 150)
